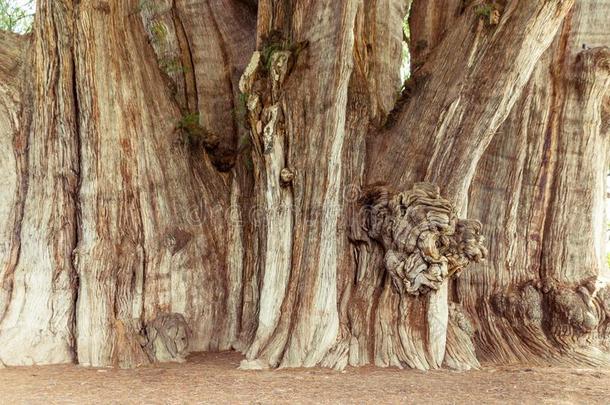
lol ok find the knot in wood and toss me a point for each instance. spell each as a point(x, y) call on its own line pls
point(167, 338)
point(286, 177)
point(424, 241)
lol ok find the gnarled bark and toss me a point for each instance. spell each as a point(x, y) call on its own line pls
point(129, 233)
point(439, 135)
point(197, 170)
point(39, 278)
point(542, 296)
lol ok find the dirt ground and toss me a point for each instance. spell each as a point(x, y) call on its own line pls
point(214, 378)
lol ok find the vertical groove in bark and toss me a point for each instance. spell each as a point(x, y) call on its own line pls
point(221, 51)
point(153, 212)
point(573, 252)
point(188, 67)
point(464, 105)
point(105, 182)
point(377, 53)
point(220, 39)
point(489, 68)
point(166, 35)
point(510, 190)
point(372, 92)
point(429, 20)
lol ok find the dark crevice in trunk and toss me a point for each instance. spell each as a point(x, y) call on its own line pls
point(74, 276)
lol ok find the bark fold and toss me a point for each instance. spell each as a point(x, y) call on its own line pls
point(196, 175)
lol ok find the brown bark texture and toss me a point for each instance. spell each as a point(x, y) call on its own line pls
point(206, 175)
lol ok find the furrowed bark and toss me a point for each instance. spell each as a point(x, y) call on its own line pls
point(220, 39)
point(518, 162)
point(429, 22)
point(204, 63)
point(158, 201)
point(490, 65)
point(377, 54)
point(214, 54)
point(39, 279)
point(537, 299)
point(117, 230)
point(13, 48)
point(573, 253)
point(12, 57)
point(298, 124)
point(149, 236)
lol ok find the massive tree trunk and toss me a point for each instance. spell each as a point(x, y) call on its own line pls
point(543, 181)
point(196, 175)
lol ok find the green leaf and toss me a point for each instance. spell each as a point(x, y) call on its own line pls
point(16, 17)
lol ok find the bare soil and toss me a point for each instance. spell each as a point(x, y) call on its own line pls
point(214, 378)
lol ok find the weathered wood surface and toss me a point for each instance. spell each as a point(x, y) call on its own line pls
point(196, 169)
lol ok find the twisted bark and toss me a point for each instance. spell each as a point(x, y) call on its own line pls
point(542, 294)
point(116, 218)
point(201, 170)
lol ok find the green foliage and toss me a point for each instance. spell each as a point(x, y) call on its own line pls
point(405, 28)
point(268, 51)
point(248, 162)
point(244, 141)
point(490, 11)
point(484, 10)
point(608, 259)
point(16, 16)
point(171, 65)
point(243, 99)
point(276, 43)
point(189, 120)
point(191, 129)
point(241, 109)
point(148, 6)
point(158, 31)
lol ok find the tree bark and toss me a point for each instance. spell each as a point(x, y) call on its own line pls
point(38, 277)
point(198, 175)
point(541, 295)
point(134, 234)
point(462, 111)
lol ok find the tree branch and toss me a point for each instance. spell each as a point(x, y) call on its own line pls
point(464, 92)
point(428, 22)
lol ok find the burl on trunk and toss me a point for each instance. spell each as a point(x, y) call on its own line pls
point(194, 175)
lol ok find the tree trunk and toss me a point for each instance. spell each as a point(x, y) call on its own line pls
point(197, 175)
point(543, 181)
